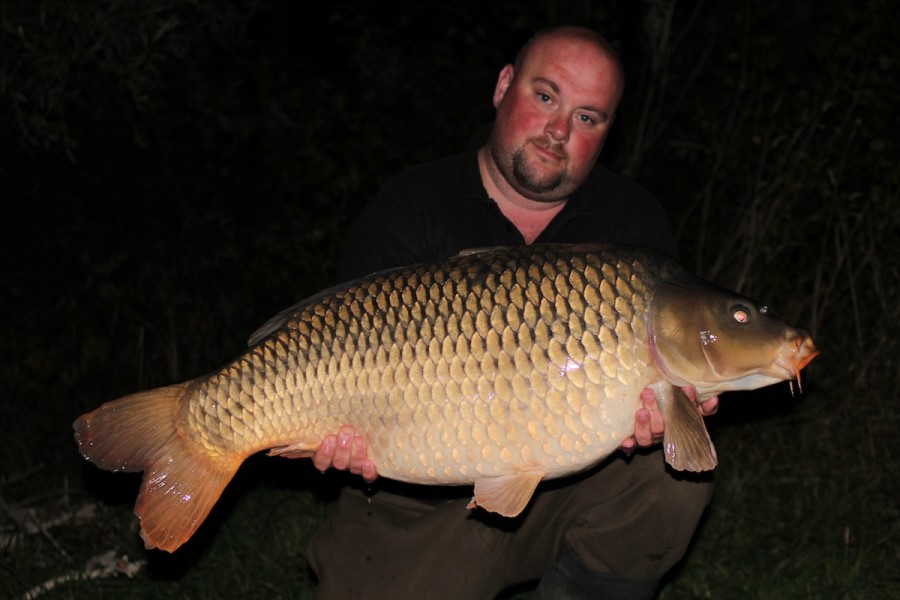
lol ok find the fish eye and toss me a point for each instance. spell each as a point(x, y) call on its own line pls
point(741, 313)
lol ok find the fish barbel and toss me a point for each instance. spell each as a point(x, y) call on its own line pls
point(499, 367)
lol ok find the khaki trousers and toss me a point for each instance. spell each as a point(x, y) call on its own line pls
point(630, 518)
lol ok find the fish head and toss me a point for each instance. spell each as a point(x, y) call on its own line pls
point(717, 340)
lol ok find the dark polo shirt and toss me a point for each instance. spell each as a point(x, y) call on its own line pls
point(435, 210)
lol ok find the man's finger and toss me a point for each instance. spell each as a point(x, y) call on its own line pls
point(710, 407)
point(656, 426)
point(343, 449)
point(369, 472)
point(357, 453)
point(643, 434)
point(325, 453)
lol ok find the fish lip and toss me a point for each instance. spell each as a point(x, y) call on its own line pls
point(805, 360)
point(787, 371)
point(794, 355)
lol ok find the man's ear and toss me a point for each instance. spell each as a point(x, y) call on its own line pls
point(504, 80)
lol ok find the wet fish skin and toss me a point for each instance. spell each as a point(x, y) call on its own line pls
point(499, 368)
point(417, 358)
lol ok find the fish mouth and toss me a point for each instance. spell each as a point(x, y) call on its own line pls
point(797, 352)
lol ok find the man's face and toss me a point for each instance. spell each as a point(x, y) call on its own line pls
point(553, 116)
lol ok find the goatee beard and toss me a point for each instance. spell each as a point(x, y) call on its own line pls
point(523, 176)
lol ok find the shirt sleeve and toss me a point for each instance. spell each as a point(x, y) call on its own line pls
point(631, 214)
point(390, 232)
point(649, 227)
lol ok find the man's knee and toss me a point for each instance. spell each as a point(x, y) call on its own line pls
point(642, 532)
point(569, 579)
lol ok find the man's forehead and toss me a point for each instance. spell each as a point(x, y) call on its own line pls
point(567, 47)
point(568, 61)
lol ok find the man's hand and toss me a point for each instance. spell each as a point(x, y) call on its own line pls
point(346, 450)
point(648, 420)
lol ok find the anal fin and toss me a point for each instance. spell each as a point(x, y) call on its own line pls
point(686, 441)
point(507, 495)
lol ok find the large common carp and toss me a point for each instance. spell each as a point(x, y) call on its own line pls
point(499, 367)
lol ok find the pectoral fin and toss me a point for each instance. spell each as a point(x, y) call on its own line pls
point(686, 441)
point(507, 495)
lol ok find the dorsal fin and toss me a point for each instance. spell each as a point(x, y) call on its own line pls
point(481, 250)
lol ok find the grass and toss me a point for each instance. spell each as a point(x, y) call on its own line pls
point(252, 546)
point(805, 507)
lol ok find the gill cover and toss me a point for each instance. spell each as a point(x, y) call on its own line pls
point(717, 340)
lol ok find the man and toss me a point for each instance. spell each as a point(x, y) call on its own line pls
point(612, 532)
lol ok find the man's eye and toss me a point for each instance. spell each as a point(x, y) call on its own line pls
point(545, 98)
point(586, 119)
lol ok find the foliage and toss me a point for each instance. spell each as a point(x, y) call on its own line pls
point(177, 171)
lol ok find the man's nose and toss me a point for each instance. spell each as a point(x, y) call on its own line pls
point(558, 128)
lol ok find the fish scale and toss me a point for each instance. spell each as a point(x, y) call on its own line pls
point(537, 303)
point(498, 367)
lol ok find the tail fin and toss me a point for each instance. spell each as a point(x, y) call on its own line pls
point(141, 432)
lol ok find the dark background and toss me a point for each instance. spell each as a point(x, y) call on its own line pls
point(173, 173)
